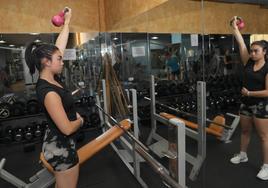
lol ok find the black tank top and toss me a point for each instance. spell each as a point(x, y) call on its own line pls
point(254, 81)
point(42, 88)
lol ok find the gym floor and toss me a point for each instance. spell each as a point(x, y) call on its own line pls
point(105, 169)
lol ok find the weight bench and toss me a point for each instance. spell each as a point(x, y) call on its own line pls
point(213, 129)
point(44, 178)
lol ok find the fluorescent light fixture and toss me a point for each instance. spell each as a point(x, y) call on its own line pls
point(34, 33)
point(154, 38)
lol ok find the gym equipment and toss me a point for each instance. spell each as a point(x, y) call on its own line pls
point(28, 133)
point(94, 119)
point(17, 108)
point(5, 110)
point(134, 152)
point(18, 134)
point(38, 131)
point(217, 127)
point(188, 114)
point(9, 134)
point(214, 129)
point(33, 106)
point(58, 20)
point(240, 23)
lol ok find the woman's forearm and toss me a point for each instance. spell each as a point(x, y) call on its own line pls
point(260, 94)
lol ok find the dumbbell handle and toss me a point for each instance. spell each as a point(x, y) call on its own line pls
point(75, 91)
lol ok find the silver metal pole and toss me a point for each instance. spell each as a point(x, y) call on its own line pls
point(201, 117)
point(104, 99)
point(136, 164)
point(153, 121)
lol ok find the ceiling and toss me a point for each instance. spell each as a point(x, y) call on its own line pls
point(255, 2)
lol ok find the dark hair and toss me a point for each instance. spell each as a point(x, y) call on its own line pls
point(35, 52)
point(264, 45)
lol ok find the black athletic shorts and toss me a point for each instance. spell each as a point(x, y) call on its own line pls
point(259, 110)
point(59, 151)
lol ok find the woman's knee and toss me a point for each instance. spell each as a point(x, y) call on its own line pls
point(264, 137)
point(246, 131)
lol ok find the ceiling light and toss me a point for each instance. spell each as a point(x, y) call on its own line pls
point(2, 41)
point(37, 40)
point(11, 45)
point(223, 37)
point(211, 38)
point(154, 38)
point(34, 33)
point(115, 38)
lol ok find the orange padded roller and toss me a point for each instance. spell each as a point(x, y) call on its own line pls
point(213, 129)
point(88, 150)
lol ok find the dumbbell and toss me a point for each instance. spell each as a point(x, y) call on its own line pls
point(18, 134)
point(38, 131)
point(94, 119)
point(58, 20)
point(17, 108)
point(33, 106)
point(9, 133)
point(28, 133)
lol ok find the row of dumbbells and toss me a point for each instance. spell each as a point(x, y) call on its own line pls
point(19, 108)
point(222, 83)
point(35, 130)
point(28, 133)
point(224, 102)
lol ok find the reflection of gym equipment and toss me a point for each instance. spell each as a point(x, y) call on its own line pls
point(33, 106)
point(217, 128)
point(214, 127)
point(134, 152)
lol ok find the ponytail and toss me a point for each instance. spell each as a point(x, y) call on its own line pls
point(265, 42)
point(30, 57)
point(35, 52)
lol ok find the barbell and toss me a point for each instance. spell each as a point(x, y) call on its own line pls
point(188, 114)
point(128, 133)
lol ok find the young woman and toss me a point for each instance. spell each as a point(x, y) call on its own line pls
point(58, 104)
point(254, 107)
